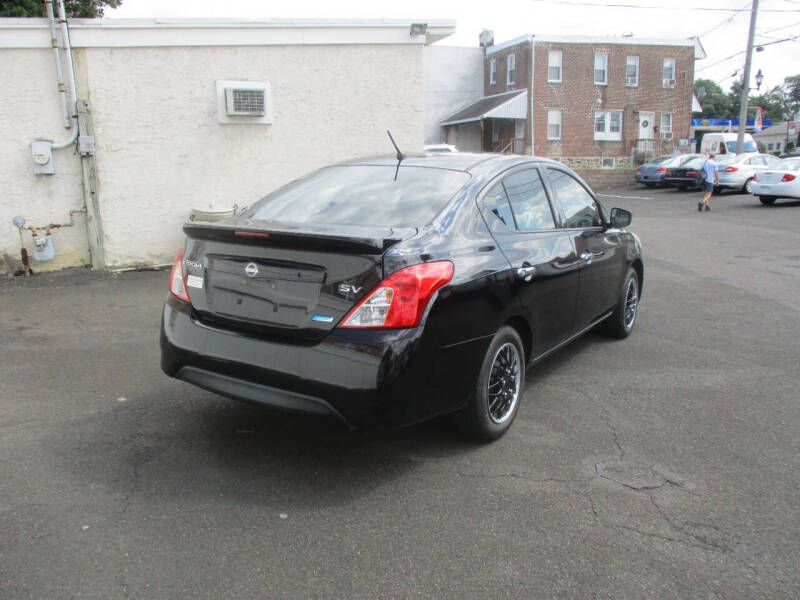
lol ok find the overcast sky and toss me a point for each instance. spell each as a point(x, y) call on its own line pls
point(722, 33)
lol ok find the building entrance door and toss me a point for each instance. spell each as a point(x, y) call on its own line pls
point(646, 125)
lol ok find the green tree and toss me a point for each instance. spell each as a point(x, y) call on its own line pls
point(772, 101)
point(75, 8)
point(792, 87)
point(714, 101)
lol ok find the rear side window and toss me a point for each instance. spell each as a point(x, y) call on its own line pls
point(361, 195)
point(580, 209)
point(498, 209)
point(529, 201)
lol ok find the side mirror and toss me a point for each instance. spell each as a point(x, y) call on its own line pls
point(621, 217)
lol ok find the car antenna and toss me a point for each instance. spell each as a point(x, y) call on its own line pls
point(400, 155)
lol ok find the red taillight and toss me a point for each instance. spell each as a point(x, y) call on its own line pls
point(669, 173)
point(730, 170)
point(400, 300)
point(755, 177)
point(177, 282)
point(788, 177)
point(691, 174)
point(639, 170)
point(661, 170)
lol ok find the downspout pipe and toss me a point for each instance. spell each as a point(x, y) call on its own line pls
point(73, 93)
point(59, 71)
point(533, 56)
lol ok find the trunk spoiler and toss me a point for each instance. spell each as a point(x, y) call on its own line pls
point(342, 238)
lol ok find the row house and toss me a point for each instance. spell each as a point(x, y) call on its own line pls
point(570, 96)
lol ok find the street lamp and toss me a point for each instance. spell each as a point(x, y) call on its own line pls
point(759, 79)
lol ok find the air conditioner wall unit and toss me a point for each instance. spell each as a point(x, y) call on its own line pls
point(244, 102)
point(631, 81)
point(666, 135)
point(669, 83)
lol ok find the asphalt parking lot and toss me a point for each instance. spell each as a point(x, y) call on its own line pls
point(663, 466)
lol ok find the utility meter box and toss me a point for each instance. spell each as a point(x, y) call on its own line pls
point(42, 154)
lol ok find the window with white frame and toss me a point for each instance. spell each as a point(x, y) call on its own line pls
point(510, 69)
point(492, 71)
point(668, 74)
point(666, 125)
point(632, 71)
point(600, 68)
point(554, 124)
point(554, 58)
point(608, 125)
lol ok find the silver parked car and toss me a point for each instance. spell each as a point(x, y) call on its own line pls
point(736, 172)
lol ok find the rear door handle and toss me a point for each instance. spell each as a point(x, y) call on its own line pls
point(526, 272)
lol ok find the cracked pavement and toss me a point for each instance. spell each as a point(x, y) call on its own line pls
point(663, 466)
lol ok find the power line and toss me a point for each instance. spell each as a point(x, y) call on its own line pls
point(725, 21)
point(704, 67)
point(779, 28)
point(653, 7)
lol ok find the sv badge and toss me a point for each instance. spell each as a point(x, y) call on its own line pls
point(348, 288)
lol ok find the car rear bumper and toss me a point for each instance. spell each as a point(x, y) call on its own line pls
point(680, 181)
point(650, 177)
point(362, 377)
point(779, 189)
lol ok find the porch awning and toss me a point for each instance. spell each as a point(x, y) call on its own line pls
point(508, 105)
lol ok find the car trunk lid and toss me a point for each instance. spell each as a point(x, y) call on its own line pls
point(770, 177)
point(279, 281)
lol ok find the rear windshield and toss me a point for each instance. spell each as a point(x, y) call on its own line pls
point(788, 165)
point(662, 159)
point(361, 195)
point(694, 161)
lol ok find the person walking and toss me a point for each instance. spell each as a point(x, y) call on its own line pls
point(711, 169)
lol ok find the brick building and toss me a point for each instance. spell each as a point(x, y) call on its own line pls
point(591, 97)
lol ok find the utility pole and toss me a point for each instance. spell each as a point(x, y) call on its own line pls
point(746, 81)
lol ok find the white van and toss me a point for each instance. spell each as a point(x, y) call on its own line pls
point(725, 143)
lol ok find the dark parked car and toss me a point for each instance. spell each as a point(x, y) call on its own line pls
point(687, 174)
point(389, 294)
point(652, 173)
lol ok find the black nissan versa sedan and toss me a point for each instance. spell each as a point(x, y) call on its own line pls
point(388, 292)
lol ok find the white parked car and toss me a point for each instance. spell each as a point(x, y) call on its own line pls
point(782, 181)
point(440, 148)
point(736, 172)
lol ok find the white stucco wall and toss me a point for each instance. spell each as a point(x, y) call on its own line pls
point(453, 77)
point(160, 150)
point(29, 110)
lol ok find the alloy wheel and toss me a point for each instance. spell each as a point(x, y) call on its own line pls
point(504, 382)
point(631, 302)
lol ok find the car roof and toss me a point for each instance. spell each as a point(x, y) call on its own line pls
point(470, 162)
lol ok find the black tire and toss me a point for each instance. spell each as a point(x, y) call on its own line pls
point(766, 200)
point(650, 185)
point(621, 322)
point(681, 188)
point(746, 189)
point(478, 419)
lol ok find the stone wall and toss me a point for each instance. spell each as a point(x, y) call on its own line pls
point(603, 179)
